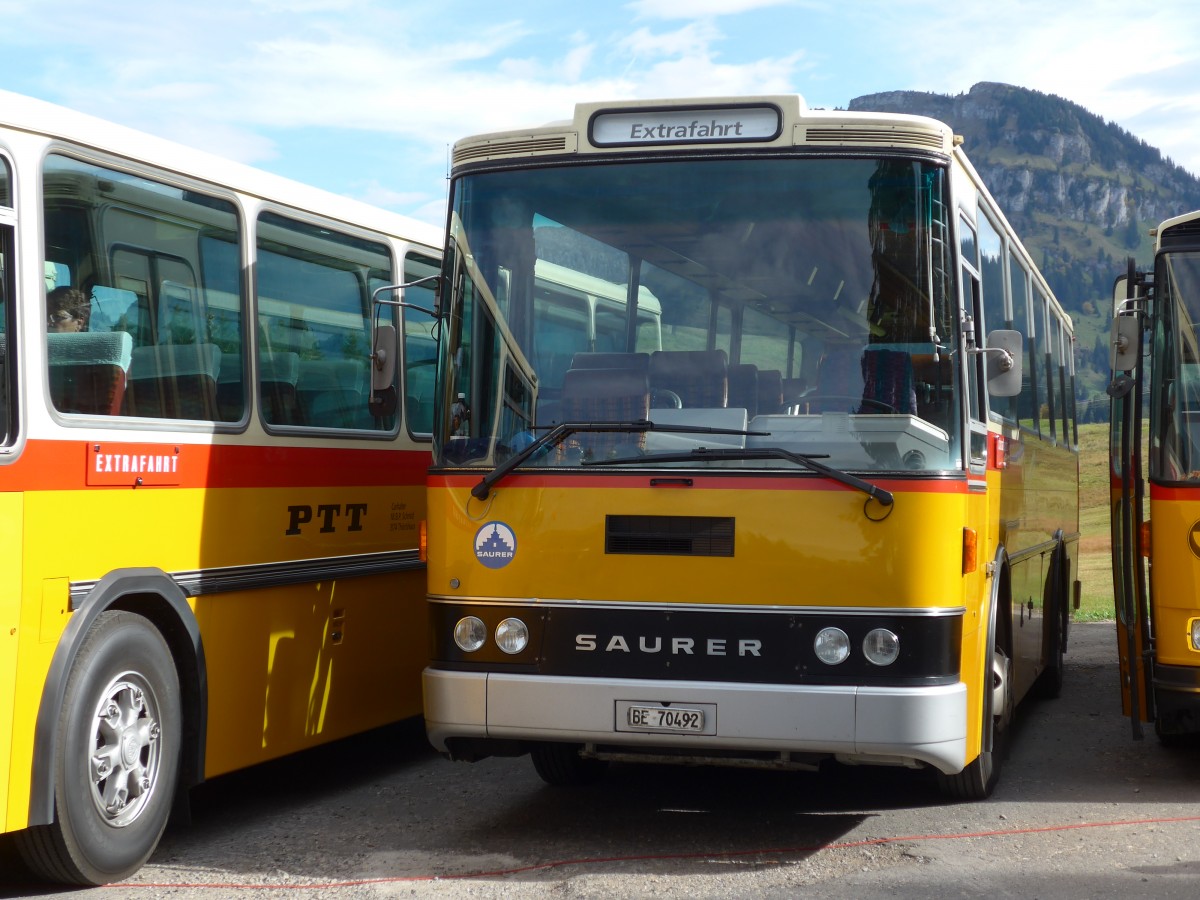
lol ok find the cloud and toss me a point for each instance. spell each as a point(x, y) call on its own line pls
point(695, 39)
point(702, 9)
point(245, 78)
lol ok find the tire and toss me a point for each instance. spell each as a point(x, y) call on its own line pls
point(1049, 683)
point(562, 766)
point(979, 778)
point(116, 758)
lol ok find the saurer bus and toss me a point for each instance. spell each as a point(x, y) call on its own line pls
point(821, 506)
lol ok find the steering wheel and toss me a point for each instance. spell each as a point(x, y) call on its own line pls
point(661, 398)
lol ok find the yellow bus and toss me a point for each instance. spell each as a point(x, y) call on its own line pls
point(211, 540)
point(1156, 569)
point(827, 509)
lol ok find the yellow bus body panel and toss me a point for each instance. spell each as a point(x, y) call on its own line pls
point(288, 667)
point(794, 548)
point(1174, 578)
point(10, 638)
point(316, 662)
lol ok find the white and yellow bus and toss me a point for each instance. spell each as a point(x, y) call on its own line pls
point(210, 549)
point(1156, 510)
point(825, 509)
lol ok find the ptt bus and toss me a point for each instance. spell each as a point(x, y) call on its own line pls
point(210, 553)
point(1156, 559)
point(825, 509)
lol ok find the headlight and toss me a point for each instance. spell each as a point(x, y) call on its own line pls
point(470, 633)
point(831, 645)
point(1195, 634)
point(881, 647)
point(512, 636)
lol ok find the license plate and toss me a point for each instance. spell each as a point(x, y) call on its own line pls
point(665, 718)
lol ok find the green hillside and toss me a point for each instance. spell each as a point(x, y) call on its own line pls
point(1095, 559)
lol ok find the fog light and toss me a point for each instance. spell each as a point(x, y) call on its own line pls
point(1194, 632)
point(831, 645)
point(470, 633)
point(881, 647)
point(512, 636)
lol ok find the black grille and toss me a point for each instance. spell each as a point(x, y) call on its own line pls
point(669, 535)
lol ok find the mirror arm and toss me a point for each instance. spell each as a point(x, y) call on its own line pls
point(1006, 358)
point(376, 300)
point(378, 356)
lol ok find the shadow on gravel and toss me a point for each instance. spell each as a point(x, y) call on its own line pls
point(224, 808)
point(1079, 748)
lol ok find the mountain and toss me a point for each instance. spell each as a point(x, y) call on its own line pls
point(1081, 192)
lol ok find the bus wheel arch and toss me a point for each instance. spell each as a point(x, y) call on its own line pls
point(131, 653)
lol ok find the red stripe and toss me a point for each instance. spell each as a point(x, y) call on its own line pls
point(63, 465)
point(1160, 492)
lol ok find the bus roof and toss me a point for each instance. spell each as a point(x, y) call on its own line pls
point(1173, 222)
point(764, 122)
point(58, 123)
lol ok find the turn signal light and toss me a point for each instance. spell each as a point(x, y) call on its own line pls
point(423, 541)
point(970, 553)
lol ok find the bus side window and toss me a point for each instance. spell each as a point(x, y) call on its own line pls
point(313, 303)
point(88, 371)
point(174, 381)
point(278, 375)
point(420, 344)
point(332, 393)
point(6, 247)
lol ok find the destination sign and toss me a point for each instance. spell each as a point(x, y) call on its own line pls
point(704, 125)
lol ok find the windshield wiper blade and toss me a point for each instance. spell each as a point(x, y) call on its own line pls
point(565, 429)
point(873, 491)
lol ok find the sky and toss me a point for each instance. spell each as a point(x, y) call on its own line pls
point(366, 97)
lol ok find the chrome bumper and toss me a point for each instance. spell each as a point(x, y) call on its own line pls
point(857, 724)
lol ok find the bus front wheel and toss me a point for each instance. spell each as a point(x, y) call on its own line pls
point(977, 780)
point(116, 756)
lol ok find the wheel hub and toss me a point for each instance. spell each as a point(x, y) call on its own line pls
point(125, 751)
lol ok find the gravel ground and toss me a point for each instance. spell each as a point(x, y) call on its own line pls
point(1082, 811)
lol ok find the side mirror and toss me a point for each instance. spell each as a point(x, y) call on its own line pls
point(383, 399)
point(1004, 354)
point(1125, 344)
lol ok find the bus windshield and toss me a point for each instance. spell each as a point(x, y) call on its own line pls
point(1175, 389)
point(790, 303)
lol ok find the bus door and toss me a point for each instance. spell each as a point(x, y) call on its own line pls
point(1126, 492)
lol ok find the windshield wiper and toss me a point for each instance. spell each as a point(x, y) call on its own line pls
point(727, 453)
point(564, 429)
